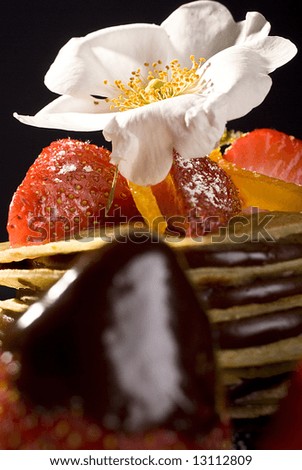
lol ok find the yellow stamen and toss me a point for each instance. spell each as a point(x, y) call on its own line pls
point(158, 84)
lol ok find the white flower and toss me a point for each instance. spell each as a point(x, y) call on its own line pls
point(160, 97)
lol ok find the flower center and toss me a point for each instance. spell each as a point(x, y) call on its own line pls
point(158, 84)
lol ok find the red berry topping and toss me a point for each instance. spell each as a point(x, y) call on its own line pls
point(269, 152)
point(66, 192)
point(200, 193)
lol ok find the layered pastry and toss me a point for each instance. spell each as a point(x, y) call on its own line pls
point(244, 264)
point(116, 355)
point(151, 326)
point(252, 292)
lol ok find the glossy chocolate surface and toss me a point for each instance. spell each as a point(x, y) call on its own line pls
point(124, 331)
point(243, 254)
point(248, 386)
point(259, 330)
point(258, 291)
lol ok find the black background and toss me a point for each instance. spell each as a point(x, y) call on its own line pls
point(32, 32)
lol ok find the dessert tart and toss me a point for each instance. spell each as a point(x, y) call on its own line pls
point(250, 290)
point(245, 269)
point(159, 281)
point(116, 355)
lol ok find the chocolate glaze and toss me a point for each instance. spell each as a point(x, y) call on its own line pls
point(99, 333)
point(242, 254)
point(258, 291)
point(24, 264)
point(259, 330)
point(248, 386)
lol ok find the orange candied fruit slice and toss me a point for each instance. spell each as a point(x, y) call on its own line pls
point(147, 205)
point(258, 190)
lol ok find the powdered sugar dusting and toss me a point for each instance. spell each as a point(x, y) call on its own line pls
point(67, 168)
point(206, 184)
point(87, 168)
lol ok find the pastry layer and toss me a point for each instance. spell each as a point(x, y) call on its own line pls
point(249, 278)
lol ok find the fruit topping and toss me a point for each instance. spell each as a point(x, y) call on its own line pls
point(261, 191)
point(122, 340)
point(268, 152)
point(197, 197)
point(65, 192)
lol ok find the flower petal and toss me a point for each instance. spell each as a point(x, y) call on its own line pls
point(239, 79)
point(72, 114)
point(204, 125)
point(142, 146)
point(206, 28)
point(254, 27)
point(143, 139)
point(276, 50)
point(201, 28)
point(83, 64)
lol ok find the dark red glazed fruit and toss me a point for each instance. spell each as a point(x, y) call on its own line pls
point(197, 197)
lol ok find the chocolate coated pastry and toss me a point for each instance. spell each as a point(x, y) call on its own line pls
point(123, 330)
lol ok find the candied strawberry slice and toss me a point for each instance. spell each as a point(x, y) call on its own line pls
point(269, 152)
point(197, 197)
point(284, 431)
point(65, 192)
